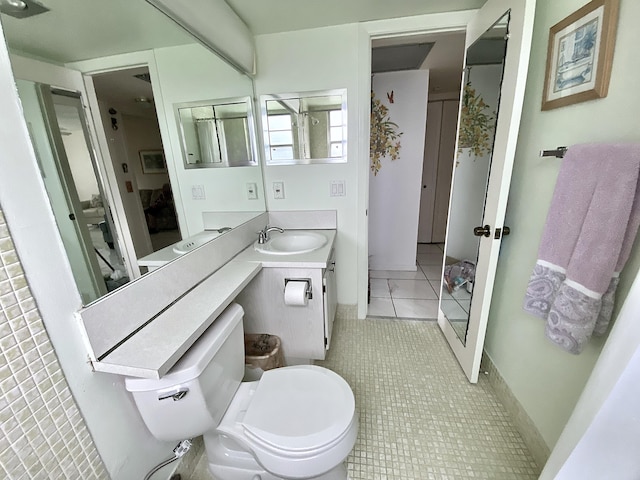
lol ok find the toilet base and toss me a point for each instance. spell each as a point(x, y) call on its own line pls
point(229, 461)
point(227, 472)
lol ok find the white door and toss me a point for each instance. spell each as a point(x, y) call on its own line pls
point(38, 110)
point(429, 171)
point(511, 20)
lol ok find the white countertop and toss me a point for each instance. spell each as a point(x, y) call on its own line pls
point(166, 254)
point(159, 257)
point(158, 345)
point(316, 259)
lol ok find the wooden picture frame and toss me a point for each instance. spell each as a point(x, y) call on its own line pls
point(580, 55)
point(153, 161)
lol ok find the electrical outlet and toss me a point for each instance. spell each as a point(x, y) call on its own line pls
point(337, 188)
point(252, 191)
point(278, 190)
point(197, 192)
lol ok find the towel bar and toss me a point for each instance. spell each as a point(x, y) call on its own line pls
point(558, 152)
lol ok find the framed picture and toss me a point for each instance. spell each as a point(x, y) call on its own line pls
point(153, 161)
point(580, 55)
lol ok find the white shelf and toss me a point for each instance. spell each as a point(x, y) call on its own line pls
point(156, 347)
point(159, 343)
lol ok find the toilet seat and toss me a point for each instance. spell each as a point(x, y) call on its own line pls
point(299, 409)
point(296, 421)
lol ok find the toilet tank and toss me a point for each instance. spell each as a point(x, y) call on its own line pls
point(194, 395)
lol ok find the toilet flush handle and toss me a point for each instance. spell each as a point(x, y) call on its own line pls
point(177, 394)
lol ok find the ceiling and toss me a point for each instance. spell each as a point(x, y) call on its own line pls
point(120, 89)
point(272, 16)
point(123, 26)
point(76, 30)
point(444, 61)
point(81, 29)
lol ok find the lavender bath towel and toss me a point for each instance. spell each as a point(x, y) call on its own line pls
point(590, 229)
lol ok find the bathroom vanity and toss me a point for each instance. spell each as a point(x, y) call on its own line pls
point(305, 330)
point(143, 329)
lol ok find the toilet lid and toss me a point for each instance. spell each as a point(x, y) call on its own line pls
point(299, 408)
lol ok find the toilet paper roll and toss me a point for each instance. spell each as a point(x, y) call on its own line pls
point(295, 293)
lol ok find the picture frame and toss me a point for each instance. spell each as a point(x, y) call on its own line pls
point(580, 55)
point(153, 161)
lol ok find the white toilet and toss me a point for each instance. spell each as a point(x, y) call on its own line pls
point(294, 423)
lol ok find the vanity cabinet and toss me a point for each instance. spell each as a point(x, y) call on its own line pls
point(305, 331)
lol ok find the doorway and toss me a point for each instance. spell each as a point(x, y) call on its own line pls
point(409, 286)
point(128, 113)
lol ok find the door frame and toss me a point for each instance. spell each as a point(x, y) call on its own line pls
point(514, 79)
point(127, 61)
point(420, 24)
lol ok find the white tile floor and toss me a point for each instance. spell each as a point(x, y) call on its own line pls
point(420, 419)
point(415, 294)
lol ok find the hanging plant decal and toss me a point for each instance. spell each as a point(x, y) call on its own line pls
point(385, 138)
point(476, 124)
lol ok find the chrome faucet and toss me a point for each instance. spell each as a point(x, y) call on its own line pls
point(263, 235)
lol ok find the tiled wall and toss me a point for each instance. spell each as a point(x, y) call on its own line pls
point(43, 435)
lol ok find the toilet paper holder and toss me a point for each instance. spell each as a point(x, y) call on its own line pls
point(307, 290)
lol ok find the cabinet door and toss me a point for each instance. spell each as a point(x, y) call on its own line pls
point(330, 298)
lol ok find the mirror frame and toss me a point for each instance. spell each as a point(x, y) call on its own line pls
point(251, 121)
point(342, 92)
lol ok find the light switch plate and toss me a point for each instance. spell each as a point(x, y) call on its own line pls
point(337, 188)
point(278, 190)
point(252, 191)
point(197, 192)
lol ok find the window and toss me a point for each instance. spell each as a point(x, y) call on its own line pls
point(280, 137)
point(336, 134)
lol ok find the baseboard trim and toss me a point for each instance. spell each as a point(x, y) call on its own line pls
point(525, 426)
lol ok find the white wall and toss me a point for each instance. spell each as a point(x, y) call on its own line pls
point(394, 192)
point(309, 60)
point(470, 176)
point(188, 74)
point(601, 437)
point(125, 445)
point(143, 133)
point(546, 380)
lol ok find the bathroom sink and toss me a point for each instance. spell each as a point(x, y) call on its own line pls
point(292, 242)
point(194, 242)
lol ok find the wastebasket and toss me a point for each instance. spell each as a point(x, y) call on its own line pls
point(261, 352)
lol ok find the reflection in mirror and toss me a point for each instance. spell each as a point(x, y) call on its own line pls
point(478, 118)
point(217, 133)
point(305, 128)
point(59, 133)
point(104, 220)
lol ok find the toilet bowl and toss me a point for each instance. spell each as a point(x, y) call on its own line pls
point(296, 422)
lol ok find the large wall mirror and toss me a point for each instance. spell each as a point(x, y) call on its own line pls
point(146, 201)
point(476, 133)
point(217, 133)
point(303, 128)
